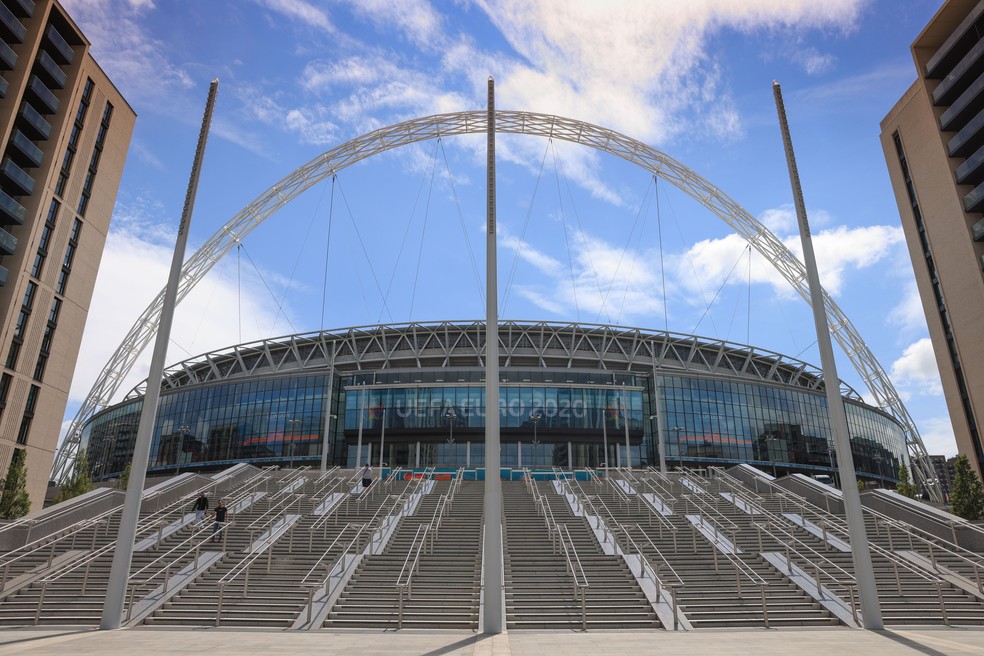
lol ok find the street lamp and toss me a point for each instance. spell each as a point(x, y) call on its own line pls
point(660, 444)
point(293, 424)
point(450, 416)
point(324, 442)
point(179, 448)
point(770, 440)
point(831, 456)
point(382, 440)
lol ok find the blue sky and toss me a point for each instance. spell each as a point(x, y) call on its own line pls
point(299, 77)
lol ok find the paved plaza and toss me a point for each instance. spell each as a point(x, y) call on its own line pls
point(217, 642)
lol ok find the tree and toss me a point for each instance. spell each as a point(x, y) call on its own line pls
point(904, 486)
point(14, 500)
point(124, 478)
point(79, 482)
point(967, 495)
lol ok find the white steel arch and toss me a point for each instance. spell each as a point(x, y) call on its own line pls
point(506, 122)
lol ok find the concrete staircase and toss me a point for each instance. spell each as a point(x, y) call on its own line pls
point(447, 586)
point(539, 589)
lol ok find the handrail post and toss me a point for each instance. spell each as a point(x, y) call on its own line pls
point(37, 614)
point(939, 592)
point(854, 603)
point(765, 606)
point(218, 607)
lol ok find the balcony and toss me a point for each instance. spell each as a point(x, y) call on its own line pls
point(972, 170)
point(8, 58)
point(978, 230)
point(3, 276)
point(11, 212)
point(34, 123)
point(17, 177)
point(8, 243)
point(42, 95)
point(957, 80)
point(61, 51)
point(11, 28)
point(47, 68)
point(969, 139)
point(23, 151)
point(964, 108)
point(974, 201)
point(962, 39)
point(23, 8)
point(3, 87)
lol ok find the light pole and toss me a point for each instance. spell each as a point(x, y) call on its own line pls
point(382, 439)
point(324, 442)
point(179, 448)
point(831, 457)
point(293, 424)
point(769, 441)
point(660, 444)
point(535, 417)
point(625, 423)
point(450, 416)
point(604, 433)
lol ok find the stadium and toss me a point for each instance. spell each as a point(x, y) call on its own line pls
point(573, 396)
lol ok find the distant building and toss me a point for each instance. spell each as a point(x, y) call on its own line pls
point(943, 469)
point(934, 146)
point(65, 133)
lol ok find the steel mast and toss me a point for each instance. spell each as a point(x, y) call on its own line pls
point(865, 573)
point(112, 614)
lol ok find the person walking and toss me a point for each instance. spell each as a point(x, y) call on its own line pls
point(366, 477)
point(222, 514)
point(200, 507)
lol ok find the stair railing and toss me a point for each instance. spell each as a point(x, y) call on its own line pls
point(669, 579)
point(576, 570)
point(354, 545)
point(441, 509)
point(808, 556)
point(898, 563)
point(50, 542)
point(190, 545)
point(411, 565)
point(933, 544)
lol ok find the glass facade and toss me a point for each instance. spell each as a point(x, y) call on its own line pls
point(548, 418)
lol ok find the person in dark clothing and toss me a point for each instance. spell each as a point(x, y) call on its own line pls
point(201, 505)
point(222, 514)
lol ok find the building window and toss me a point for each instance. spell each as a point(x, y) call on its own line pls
point(73, 140)
point(21, 326)
point(25, 427)
point(90, 177)
point(46, 232)
point(4, 389)
point(73, 243)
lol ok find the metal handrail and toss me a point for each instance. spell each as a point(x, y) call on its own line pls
point(404, 581)
point(893, 558)
point(312, 587)
point(576, 570)
point(645, 563)
point(272, 509)
point(165, 571)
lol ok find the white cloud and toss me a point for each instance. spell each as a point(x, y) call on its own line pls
point(839, 250)
point(600, 283)
point(937, 436)
point(309, 123)
point(915, 372)
point(205, 320)
point(908, 312)
point(417, 19)
point(300, 10)
point(139, 65)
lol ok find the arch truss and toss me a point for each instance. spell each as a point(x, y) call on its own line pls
point(506, 122)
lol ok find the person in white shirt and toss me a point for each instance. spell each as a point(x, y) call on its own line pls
point(366, 477)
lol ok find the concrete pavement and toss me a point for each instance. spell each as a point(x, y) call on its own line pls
point(761, 642)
